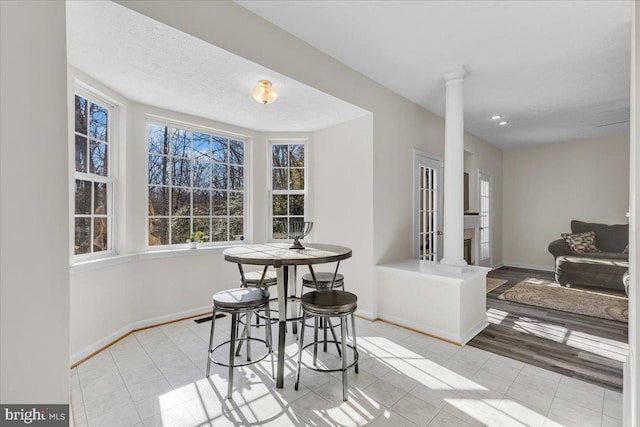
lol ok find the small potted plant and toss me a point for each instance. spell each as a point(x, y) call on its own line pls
point(195, 238)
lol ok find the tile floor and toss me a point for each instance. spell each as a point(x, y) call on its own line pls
point(156, 377)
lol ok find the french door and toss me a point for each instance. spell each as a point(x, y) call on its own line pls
point(485, 196)
point(427, 207)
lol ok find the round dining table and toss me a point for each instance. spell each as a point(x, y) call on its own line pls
point(281, 257)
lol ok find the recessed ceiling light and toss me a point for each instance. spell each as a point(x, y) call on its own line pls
point(495, 117)
point(502, 123)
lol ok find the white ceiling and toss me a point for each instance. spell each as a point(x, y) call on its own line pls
point(557, 70)
point(154, 64)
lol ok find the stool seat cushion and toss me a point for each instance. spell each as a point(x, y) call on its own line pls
point(326, 302)
point(253, 278)
point(240, 298)
point(324, 279)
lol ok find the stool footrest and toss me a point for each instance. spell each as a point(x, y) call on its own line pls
point(237, 365)
point(356, 356)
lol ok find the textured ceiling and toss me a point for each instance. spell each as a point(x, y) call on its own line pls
point(154, 64)
point(557, 70)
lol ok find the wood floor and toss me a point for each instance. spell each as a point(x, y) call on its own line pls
point(586, 348)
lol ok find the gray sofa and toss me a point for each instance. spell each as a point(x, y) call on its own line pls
point(604, 269)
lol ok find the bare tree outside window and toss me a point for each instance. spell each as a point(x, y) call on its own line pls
point(196, 182)
point(288, 187)
point(93, 185)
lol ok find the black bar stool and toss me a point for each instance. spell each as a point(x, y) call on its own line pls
point(324, 280)
point(237, 302)
point(324, 304)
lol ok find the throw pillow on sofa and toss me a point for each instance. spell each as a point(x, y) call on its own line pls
point(582, 242)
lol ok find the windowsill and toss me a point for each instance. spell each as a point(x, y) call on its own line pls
point(96, 264)
point(170, 253)
point(99, 263)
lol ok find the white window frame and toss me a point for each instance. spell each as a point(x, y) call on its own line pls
point(286, 141)
point(111, 179)
point(172, 123)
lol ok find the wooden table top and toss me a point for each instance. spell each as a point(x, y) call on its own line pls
point(279, 254)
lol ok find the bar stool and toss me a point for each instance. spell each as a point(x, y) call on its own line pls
point(258, 279)
point(324, 281)
point(237, 302)
point(323, 305)
point(265, 280)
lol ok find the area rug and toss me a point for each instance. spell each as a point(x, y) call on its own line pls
point(494, 283)
point(595, 303)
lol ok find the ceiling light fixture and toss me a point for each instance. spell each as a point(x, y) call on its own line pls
point(264, 93)
point(495, 117)
point(503, 123)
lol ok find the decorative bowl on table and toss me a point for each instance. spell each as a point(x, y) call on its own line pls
point(296, 230)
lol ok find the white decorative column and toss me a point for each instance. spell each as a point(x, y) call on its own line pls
point(454, 170)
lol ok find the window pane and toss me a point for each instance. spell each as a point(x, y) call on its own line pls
point(279, 228)
point(81, 115)
point(201, 174)
point(158, 139)
point(219, 176)
point(158, 231)
point(202, 224)
point(98, 158)
point(236, 203)
point(81, 154)
point(219, 230)
point(159, 170)
point(219, 148)
point(83, 197)
point(201, 146)
point(236, 180)
point(236, 229)
point(279, 155)
point(201, 203)
point(82, 236)
point(296, 155)
point(236, 152)
point(99, 198)
point(280, 202)
point(180, 143)
point(100, 234)
point(98, 117)
point(297, 179)
point(219, 203)
point(280, 179)
point(180, 202)
point(180, 230)
point(296, 205)
point(158, 201)
point(180, 172)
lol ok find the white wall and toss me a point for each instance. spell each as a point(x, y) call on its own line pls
point(488, 159)
point(546, 187)
point(34, 285)
point(342, 158)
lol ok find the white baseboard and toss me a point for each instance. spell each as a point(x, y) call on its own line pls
point(529, 266)
point(434, 332)
point(496, 266)
point(111, 338)
point(474, 331)
point(369, 315)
